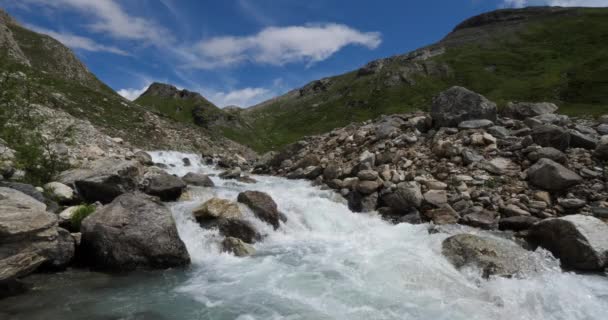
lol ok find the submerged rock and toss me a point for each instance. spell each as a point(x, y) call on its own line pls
point(217, 208)
point(237, 247)
point(580, 242)
point(134, 231)
point(495, 257)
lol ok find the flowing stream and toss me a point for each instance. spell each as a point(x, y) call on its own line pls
point(324, 263)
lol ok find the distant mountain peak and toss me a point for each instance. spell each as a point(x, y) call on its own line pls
point(165, 90)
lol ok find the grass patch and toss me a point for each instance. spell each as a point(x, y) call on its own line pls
point(80, 214)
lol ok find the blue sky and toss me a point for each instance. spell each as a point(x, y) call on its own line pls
point(241, 52)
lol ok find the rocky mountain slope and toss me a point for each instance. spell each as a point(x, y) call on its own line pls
point(45, 73)
point(534, 54)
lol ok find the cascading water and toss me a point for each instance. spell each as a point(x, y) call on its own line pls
point(324, 263)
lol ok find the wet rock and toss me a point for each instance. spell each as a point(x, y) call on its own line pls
point(237, 247)
point(217, 208)
point(134, 231)
point(236, 228)
point(551, 136)
point(358, 202)
point(231, 174)
point(458, 104)
point(517, 223)
point(103, 180)
point(61, 258)
point(165, 186)
point(580, 242)
point(198, 180)
point(262, 205)
point(494, 256)
point(550, 175)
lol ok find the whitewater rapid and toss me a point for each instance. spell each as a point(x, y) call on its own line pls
point(324, 263)
point(327, 262)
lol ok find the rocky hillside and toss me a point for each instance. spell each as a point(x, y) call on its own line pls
point(535, 54)
point(41, 71)
point(186, 106)
point(464, 162)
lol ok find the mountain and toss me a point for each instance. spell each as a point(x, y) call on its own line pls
point(534, 54)
point(185, 106)
point(54, 77)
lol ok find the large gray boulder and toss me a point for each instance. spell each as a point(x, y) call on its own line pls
point(458, 104)
point(550, 175)
point(165, 186)
point(263, 206)
point(523, 110)
point(134, 231)
point(493, 256)
point(104, 180)
point(25, 225)
point(549, 135)
point(407, 196)
point(580, 242)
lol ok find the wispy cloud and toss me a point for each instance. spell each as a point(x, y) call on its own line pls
point(557, 3)
point(241, 97)
point(78, 42)
point(131, 93)
point(279, 46)
point(111, 19)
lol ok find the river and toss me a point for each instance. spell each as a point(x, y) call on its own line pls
point(325, 262)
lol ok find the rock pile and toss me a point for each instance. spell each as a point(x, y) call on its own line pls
point(464, 163)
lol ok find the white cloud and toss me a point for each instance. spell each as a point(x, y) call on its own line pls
point(557, 3)
point(279, 46)
point(111, 19)
point(132, 94)
point(78, 42)
point(242, 97)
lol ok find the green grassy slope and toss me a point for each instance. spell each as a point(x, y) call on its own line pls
point(557, 58)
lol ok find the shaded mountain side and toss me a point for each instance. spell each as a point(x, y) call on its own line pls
point(534, 54)
point(56, 78)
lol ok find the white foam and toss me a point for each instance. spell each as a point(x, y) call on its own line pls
point(329, 263)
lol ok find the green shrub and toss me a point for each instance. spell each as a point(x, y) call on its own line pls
point(80, 214)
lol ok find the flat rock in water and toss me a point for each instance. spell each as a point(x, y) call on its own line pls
point(493, 256)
